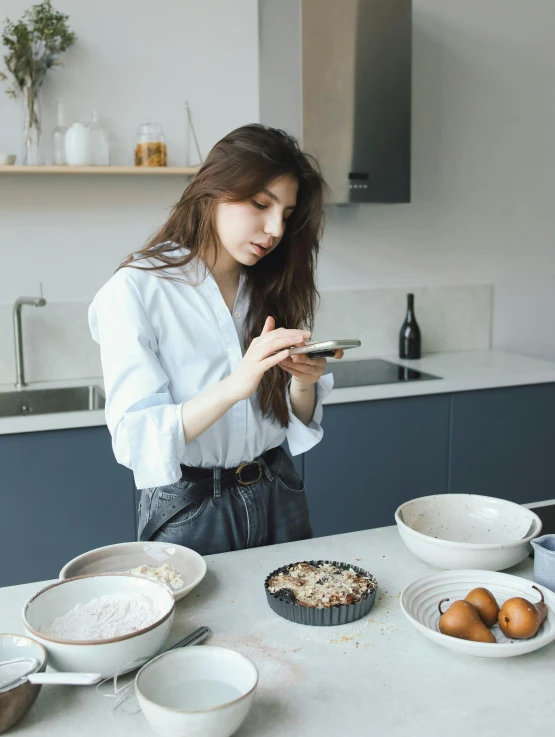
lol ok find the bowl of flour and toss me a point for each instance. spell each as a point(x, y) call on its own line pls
point(100, 623)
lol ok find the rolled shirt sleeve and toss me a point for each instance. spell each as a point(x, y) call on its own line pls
point(303, 437)
point(145, 423)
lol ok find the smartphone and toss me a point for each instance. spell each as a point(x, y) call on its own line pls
point(324, 348)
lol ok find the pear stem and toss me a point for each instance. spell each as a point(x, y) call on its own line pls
point(540, 592)
point(439, 605)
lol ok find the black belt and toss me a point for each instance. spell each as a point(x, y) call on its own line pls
point(203, 486)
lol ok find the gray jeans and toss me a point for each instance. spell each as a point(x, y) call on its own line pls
point(272, 510)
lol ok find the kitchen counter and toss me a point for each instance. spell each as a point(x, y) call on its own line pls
point(375, 676)
point(459, 371)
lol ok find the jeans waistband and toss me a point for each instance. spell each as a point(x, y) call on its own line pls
point(245, 473)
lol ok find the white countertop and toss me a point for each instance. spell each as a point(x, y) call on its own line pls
point(459, 371)
point(376, 676)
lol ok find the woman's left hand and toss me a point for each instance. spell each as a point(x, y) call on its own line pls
point(306, 370)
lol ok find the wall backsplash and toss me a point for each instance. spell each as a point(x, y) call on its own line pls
point(453, 318)
point(57, 343)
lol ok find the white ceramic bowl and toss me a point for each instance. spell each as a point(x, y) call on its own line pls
point(467, 530)
point(98, 656)
point(419, 601)
point(124, 556)
point(200, 691)
point(7, 159)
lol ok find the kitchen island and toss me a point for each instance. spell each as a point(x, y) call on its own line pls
point(376, 676)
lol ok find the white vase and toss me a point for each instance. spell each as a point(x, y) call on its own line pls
point(78, 145)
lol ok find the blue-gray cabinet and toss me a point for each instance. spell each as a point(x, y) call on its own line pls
point(502, 443)
point(378, 454)
point(61, 493)
point(375, 455)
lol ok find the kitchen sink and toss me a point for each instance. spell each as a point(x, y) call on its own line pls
point(48, 401)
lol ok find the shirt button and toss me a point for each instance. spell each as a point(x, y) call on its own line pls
point(237, 315)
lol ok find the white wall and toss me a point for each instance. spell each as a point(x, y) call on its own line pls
point(134, 61)
point(483, 171)
point(483, 148)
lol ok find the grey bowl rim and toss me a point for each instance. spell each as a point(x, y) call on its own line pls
point(469, 545)
point(210, 709)
point(40, 669)
point(109, 640)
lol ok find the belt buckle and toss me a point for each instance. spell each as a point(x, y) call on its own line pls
point(242, 466)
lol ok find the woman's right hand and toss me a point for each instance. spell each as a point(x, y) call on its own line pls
point(271, 347)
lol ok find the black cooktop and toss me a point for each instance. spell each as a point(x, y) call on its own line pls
point(373, 371)
point(547, 516)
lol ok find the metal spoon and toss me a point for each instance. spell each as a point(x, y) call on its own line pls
point(199, 635)
point(81, 679)
point(24, 668)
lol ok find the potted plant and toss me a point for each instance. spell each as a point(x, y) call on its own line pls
point(34, 44)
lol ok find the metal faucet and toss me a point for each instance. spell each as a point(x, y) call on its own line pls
point(19, 302)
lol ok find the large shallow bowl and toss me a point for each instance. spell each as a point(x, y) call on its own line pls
point(202, 691)
point(16, 701)
point(419, 603)
point(467, 531)
point(124, 556)
point(98, 656)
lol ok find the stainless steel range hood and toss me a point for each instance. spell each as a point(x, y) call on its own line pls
point(337, 75)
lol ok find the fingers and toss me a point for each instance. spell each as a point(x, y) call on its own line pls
point(339, 353)
point(296, 374)
point(274, 360)
point(307, 361)
point(301, 369)
point(269, 325)
point(280, 339)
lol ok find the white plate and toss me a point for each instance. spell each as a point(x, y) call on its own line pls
point(420, 598)
point(123, 556)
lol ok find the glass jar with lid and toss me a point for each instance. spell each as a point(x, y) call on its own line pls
point(150, 147)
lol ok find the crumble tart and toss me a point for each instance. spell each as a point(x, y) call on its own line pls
point(321, 592)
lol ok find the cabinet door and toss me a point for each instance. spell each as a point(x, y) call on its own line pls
point(374, 456)
point(62, 493)
point(502, 443)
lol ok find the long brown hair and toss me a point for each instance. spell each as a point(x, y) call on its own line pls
point(282, 284)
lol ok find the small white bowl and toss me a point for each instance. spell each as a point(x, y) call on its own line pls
point(124, 556)
point(467, 530)
point(98, 656)
point(419, 601)
point(196, 691)
point(7, 159)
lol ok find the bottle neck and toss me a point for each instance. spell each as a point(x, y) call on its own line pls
point(410, 305)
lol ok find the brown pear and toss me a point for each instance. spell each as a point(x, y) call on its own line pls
point(462, 620)
point(520, 619)
point(485, 603)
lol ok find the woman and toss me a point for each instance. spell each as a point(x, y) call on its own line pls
point(195, 331)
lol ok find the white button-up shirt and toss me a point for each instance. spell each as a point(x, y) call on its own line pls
point(162, 342)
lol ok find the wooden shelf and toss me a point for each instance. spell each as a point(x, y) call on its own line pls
point(141, 171)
